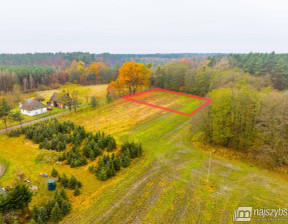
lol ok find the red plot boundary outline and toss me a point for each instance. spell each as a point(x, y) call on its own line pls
point(129, 97)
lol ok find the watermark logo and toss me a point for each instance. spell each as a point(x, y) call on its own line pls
point(242, 214)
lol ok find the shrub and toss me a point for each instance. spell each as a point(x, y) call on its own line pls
point(77, 191)
point(54, 173)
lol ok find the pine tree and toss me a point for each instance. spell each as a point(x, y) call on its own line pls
point(86, 150)
point(33, 221)
point(46, 144)
point(4, 111)
point(17, 198)
point(79, 184)
point(112, 171)
point(58, 199)
point(56, 213)
point(125, 162)
point(92, 169)
point(77, 191)
point(54, 173)
point(93, 102)
point(97, 151)
point(72, 182)
point(100, 144)
point(35, 212)
point(111, 145)
point(39, 220)
point(50, 203)
point(92, 155)
point(116, 163)
point(64, 180)
point(63, 193)
point(17, 116)
point(102, 174)
point(65, 207)
point(43, 214)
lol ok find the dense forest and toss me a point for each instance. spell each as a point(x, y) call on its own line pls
point(65, 59)
point(274, 66)
point(41, 77)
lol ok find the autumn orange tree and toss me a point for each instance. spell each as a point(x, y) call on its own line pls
point(94, 73)
point(132, 76)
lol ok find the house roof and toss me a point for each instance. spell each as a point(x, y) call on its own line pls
point(54, 97)
point(31, 104)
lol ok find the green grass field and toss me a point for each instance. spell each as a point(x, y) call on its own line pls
point(95, 90)
point(166, 185)
point(184, 104)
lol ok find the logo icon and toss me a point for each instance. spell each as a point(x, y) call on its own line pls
point(242, 214)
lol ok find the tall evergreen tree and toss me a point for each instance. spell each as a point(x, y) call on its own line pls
point(54, 172)
point(56, 213)
point(18, 117)
point(93, 102)
point(5, 110)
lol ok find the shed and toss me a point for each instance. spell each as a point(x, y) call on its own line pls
point(51, 183)
point(55, 101)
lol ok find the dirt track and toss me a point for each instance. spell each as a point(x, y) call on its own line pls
point(31, 122)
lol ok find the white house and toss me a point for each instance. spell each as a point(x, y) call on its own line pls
point(32, 107)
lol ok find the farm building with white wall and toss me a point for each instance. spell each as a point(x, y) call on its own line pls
point(32, 107)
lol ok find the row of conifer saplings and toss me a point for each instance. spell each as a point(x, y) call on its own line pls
point(108, 165)
point(77, 145)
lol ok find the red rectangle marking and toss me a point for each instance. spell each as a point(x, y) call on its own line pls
point(129, 97)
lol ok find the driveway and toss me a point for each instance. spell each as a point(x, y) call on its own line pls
point(32, 122)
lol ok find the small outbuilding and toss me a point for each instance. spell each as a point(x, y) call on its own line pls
point(32, 107)
point(51, 183)
point(55, 101)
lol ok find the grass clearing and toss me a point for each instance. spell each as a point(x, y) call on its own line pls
point(96, 90)
point(184, 104)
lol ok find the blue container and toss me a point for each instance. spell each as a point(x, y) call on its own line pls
point(51, 184)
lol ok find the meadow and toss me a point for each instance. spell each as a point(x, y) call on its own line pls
point(95, 90)
point(182, 103)
point(168, 180)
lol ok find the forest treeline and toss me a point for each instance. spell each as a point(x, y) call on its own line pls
point(188, 75)
point(65, 59)
point(274, 66)
point(40, 71)
point(192, 76)
point(41, 77)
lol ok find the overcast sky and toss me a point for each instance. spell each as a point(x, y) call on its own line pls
point(144, 26)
